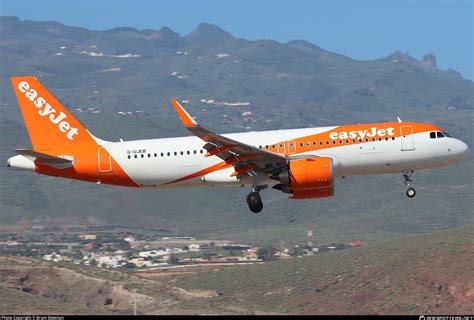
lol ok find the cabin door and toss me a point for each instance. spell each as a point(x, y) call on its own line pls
point(407, 139)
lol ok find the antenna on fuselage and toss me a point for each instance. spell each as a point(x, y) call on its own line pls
point(399, 120)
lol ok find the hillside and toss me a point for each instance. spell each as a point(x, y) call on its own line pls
point(283, 85)
point(429, 274)
point(423, 274)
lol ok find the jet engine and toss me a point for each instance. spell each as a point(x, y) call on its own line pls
point(307, 178)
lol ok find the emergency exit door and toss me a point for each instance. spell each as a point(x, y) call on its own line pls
point(105, 161)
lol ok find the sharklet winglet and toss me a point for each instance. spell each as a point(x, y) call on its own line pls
point(185, 117)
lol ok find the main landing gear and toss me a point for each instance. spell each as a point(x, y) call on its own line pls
point(407, 179)
point(254, 201)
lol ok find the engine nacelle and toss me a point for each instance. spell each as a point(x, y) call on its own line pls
point(308, 178)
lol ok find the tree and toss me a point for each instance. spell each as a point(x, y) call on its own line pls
point(123, 245)
point(266, 253)
point(173, 259)
point(129, 265)
point(208, 255)
point(77, 254)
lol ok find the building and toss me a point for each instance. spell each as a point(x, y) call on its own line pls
point(194, 247)
point(357, 243)
point(251, 254)
point(153, 253)
point(109, 261)
point(88, 236)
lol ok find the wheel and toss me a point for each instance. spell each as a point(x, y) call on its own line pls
point(411, 192)
point(256, 208)
point(255, 202)
point(253, 198)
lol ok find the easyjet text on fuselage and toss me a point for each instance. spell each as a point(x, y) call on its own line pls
point(361, 134)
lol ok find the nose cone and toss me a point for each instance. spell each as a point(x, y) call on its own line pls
point(461, 150)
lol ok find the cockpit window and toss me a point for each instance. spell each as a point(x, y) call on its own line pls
point(432, 135)
point(446, 134)
point(440, 134)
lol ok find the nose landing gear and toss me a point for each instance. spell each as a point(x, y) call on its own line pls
point(407, 180)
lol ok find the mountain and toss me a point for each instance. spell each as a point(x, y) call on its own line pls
point(98, 74)
point(207, 33)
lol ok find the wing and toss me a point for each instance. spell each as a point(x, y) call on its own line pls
point(244, 157)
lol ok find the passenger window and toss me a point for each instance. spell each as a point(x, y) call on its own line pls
point(129, 156)
point(181, 152)
point(143, 155)
point(440, 135)
point(301, 144)
point(168, 154)
point(432, 135)
point(353, 140)
point(320, 143)
point(386, 138)
point(194, 151)
point(367, 140)
point(380, 139)
point(175, 153)
point(201, 151)
point(373, 139)
point(136, 156)
point(360, 140)
point(307, 144)
point(334, 142)
point(393, 138)
point(274, 146)
point(149, 155)
point(347, 141)
point(327, 142)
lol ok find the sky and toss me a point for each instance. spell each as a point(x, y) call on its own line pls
point(360, 29)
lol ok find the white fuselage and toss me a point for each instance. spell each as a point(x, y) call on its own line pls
point(161, 162)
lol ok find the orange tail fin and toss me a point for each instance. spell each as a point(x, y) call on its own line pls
point(62, 145)
point(50, 125)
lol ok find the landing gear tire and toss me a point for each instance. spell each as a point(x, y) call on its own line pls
point(408, 181)
point(256, 208)
point(255, 202)
point(411, 192)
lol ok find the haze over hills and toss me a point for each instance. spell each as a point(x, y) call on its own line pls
point(118, 82)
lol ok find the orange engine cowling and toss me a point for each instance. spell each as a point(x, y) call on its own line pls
point(309, 178)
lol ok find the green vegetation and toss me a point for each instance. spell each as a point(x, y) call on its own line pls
point(399, 276)
point(14, 301)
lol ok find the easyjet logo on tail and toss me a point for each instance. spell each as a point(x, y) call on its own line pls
point(361, 134)
point(45, 109)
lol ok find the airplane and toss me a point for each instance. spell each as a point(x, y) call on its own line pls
point(301, 162)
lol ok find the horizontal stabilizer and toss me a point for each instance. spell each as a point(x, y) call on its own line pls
point(47, 159)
